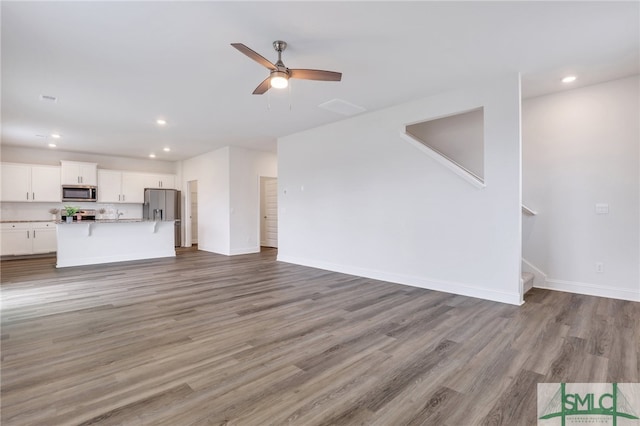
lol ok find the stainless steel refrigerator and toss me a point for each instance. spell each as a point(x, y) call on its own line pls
point(163, 204)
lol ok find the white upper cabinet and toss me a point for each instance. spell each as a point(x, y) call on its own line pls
point(133, 185)
point(109, 186)
point(115, 186)
point(16, 182)
point(77, 173)
point(45, 183)
point(166, 181)
point(26, 182)
point(156, 181)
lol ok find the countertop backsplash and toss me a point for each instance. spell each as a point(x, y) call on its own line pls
point(40, 211)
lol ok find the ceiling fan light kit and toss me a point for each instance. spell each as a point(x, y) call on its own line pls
point(279, 79)
point(280, 74)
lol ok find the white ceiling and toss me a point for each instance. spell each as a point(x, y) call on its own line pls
point(117, 66)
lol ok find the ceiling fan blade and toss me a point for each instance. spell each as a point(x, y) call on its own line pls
point(254, 55)
point(263, 87)
point(315, 75)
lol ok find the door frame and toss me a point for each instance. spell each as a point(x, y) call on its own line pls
point(186, 220)
point(260, 177)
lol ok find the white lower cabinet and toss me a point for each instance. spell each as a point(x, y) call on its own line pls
point(44, 238)
point(28, 238)
point(15, 239)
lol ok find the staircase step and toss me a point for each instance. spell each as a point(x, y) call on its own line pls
point(527, 279)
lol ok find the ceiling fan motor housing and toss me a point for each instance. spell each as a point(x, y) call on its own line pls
point(279, 45)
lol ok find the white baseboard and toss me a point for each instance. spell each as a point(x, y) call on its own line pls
point(591, 289)
point(211, 250)
point(245, 250)
point(430, 284)
point(542, 281)
point(232, 252)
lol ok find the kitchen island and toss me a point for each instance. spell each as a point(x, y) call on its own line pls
point(104, 241)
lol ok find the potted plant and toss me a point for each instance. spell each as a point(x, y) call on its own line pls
point(70, 211)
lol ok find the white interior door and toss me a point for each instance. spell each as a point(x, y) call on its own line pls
point(268, 212)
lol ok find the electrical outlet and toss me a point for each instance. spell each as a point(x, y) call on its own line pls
point(599, 267)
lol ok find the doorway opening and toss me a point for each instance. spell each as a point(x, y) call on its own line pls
point(268, 211)
point(193, 212)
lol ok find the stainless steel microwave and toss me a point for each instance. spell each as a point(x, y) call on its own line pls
point(79, 193)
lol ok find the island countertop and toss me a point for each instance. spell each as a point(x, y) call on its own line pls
point(90, 242)
point(29, 221)
point(132, 220)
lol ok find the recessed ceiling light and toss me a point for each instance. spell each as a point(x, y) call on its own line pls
point(52, 145)
point(161, 122)
point(569, 79)
point(55, 136)
point(152, 156)
point(167, 149)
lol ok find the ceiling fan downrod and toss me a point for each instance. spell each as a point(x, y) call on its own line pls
point(279, 47)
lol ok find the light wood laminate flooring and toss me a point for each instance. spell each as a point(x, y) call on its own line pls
point(205, 339)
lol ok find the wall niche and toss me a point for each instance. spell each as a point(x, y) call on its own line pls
point(458, 138)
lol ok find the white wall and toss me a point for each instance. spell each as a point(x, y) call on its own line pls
point(582, 147)
point(246, 167)
point(211, 170)
point(357, 198)
point(228, 197)
point(14, 154)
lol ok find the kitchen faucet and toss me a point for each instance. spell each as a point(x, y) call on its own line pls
point(118, 214)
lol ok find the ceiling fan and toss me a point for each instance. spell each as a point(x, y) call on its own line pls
point(280, 74)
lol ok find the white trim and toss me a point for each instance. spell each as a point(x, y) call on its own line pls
point(445, 161)
point(262, 243)
point(540, 280)
point(591, 290)
point(427, 283)
point(212, 250)
point(186, 213)
point(260, 201)
point(244, 250)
